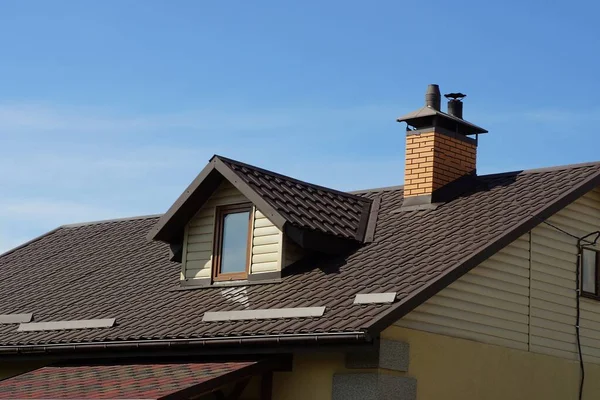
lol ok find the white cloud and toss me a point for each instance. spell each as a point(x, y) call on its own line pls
point(16, 118)
point(8, 242)
point(53, 212)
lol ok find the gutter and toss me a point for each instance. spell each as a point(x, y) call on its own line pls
point(209, 343)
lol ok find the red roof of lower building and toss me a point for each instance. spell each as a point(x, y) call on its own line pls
point(131, 381)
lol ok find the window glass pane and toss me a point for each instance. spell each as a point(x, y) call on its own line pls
point(235, 242)
point(588, 273)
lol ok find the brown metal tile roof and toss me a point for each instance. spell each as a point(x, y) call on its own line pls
point(306, 205)
point(123, 381)
point(109, 269)
point(285, 200)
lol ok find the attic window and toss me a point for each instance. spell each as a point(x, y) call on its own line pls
point(233, 235)
point(589, 272)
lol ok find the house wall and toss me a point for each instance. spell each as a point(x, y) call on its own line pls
point(269, 249)
point(524, 296)
point(311, 377)
point(450, 368)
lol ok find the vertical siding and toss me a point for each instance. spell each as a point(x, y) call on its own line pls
point(523, 297)
point(267, 239)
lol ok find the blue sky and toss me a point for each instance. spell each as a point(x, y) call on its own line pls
point(109, 109)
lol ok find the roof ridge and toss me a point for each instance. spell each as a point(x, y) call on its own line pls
point(106, 221)
point(378, 189)
point(289, 178)
point(543, 169)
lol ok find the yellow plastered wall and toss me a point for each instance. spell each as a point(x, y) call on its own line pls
point(311, 377)
point(456, 369)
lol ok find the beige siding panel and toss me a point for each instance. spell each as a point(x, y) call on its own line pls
point(464, 334)
point(265, 240)
point(472, 316)
point(540, 304)
point(495, 311)
point(262, 258)
point(461, 292)
point(266, 245)
point(264, 249)
point(200, 230)
point(589, 305)
point(552, 315)
point(489, 304)
point(265, 267)
point(207, 220)
point(266, 231)
point(470, 284)
point(197, 259)
point(432, 321)
point(541, 270)
point(199, 264)
point(198, 255)
point(553, 291)
point(551, 351)
point(197, 273)
point(506, 277)
point(262, 223)
point(200, 239)
point(202, 246)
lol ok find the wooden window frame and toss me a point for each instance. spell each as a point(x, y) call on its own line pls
point(590, 295)
point(221, 212)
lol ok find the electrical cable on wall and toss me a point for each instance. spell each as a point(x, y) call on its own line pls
point(580, 240)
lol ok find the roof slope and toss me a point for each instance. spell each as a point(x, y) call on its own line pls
point(109, 269)
point(123, 381)
point(306, 205)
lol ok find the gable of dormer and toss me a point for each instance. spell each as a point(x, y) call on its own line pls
point(267, 249)
point(240, 223)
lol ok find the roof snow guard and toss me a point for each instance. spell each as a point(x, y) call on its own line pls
point(294, 206)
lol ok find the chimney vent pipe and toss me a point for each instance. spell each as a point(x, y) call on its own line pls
point(433, 97)
point(455, 104)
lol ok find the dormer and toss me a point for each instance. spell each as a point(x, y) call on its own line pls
point(240, 224)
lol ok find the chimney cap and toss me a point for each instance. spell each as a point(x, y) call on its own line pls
point(455, 96)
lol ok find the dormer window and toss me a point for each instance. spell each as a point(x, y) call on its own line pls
point(233, 238)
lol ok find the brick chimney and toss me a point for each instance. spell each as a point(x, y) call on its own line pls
point(440, 147)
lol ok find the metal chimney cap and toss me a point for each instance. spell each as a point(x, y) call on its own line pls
point(455, 96)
